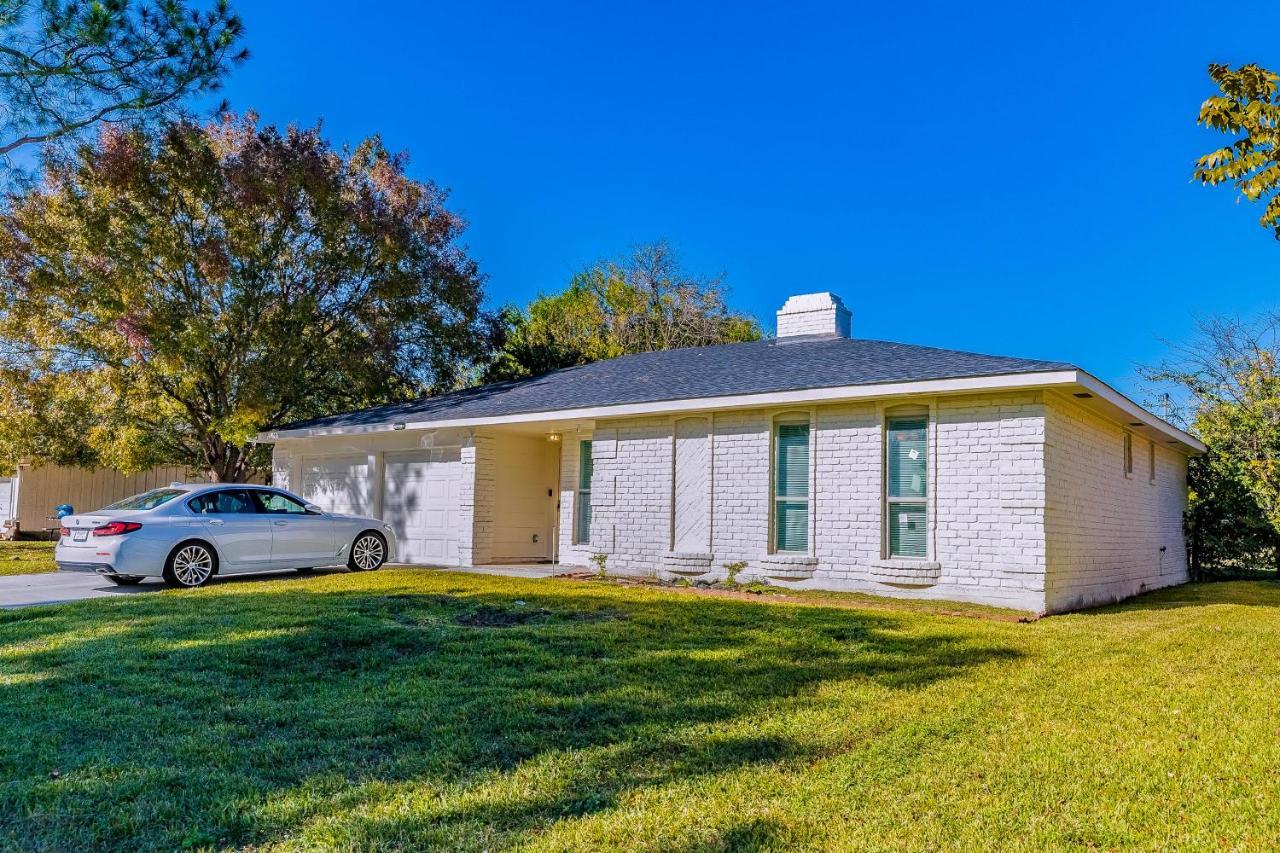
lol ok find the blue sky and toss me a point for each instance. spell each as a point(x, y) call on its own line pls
point(1006, 178)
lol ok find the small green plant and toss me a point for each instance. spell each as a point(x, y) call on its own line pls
point(732, 570)
point(602, 561)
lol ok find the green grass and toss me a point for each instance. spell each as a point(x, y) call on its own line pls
point(410, 709)
point(25, 557)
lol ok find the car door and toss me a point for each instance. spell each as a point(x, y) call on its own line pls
point(299, 539)
point(241, 533)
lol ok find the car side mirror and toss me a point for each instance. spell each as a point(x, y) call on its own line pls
point(312, 509)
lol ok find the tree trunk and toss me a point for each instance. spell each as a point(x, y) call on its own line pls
point(227, 463)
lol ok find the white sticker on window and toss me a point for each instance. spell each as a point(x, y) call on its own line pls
point(913, 453)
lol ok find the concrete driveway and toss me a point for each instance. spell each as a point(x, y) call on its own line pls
point(57, 587)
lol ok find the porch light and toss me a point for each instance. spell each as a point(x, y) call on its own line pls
point(397, 426)
point(553, 437)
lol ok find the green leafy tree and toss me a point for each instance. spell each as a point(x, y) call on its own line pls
point(165, 296)
point(1228, 381)
point(1249, 105)
point(1227, 532)
point(642, 303)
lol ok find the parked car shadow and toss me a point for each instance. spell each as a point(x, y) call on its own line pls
point(157, 584)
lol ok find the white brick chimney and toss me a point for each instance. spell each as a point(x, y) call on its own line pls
point(813, 314)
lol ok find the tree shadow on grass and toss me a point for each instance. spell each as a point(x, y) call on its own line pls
point(239, 719)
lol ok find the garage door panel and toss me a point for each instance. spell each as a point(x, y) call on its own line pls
point(421, 491)
point(338, 483)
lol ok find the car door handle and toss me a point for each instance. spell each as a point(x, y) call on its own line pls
point(279, 523)
point(216, 521)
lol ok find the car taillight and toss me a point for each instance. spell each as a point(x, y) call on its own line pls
point(64, 531)
point(115, 528)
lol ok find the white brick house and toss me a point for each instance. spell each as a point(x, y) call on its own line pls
point(815, 459)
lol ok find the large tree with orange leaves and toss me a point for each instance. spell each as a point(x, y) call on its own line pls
point(166, 296)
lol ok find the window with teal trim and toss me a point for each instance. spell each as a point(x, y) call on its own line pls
point(907, 486)
point(791, 488)
point(582, 500)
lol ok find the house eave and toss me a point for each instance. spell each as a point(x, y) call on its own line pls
point(1062, 379)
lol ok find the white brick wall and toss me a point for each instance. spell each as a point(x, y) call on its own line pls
point(478, 483)
point(1105, 530)
point(987, 477)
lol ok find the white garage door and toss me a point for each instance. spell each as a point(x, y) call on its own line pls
point(338, 483)
point(420, 497)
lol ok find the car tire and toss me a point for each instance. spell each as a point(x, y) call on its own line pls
point(368, 552)
point(190, 565)
point(124, 580)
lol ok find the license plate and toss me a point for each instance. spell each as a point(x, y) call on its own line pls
point(79, 535)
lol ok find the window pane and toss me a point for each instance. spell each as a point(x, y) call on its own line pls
point(792, 526)
point(582, 531)
point(224, 503)
point(792, 477)
point(908, 459)
point(907, 531)
point(278, 504)
point(584, 466)
point(582, 500)
point(147, 500)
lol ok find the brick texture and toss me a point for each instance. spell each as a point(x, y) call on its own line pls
point(1105, 530)
point(987, 529)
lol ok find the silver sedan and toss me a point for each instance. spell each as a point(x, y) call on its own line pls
point(187, 533)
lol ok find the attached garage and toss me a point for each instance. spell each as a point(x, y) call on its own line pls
point(341, 483)
point(422, 501)
point(452, 497)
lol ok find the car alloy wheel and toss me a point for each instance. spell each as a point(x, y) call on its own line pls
point(367, 553)
point(192, 565)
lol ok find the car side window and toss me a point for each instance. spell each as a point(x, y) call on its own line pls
point(275, 503)
point(226, 502)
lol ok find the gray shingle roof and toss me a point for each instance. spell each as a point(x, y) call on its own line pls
point(788, 364)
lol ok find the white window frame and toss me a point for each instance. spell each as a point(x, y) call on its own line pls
point(894, 413)
point(781, 420)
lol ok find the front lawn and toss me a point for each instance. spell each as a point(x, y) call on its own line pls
point(411, 709)
point(26, 557)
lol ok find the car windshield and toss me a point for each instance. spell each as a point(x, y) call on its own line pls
point(147, 500)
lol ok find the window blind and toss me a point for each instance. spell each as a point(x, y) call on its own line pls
point(791, 486)
point(908, 465)
point(582, 500)
point(907, 530)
